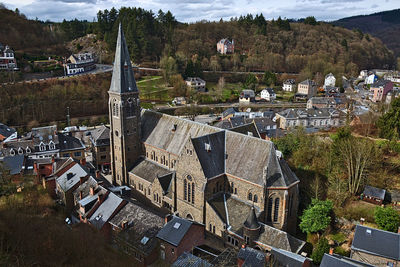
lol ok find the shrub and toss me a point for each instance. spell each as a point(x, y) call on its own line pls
point(319, 251)
point(387, 219)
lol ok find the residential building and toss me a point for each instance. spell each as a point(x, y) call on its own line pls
point(224, 46)
point(183, 165)
point(307, 88)
point(317, 118)
point(381, 89)
point(394, 197)
point(196, 83)
point(135, 229)
point(371, 79)
point(373, 195)
point(100, 148)
point(363, 74)
point(7, 133)
point(228, 113)
point(179, 100)
point(7, 58)
point(330, 260)
point(247, 96)
point(15, 165)
point(289, 85)
point(326, 102)
point(394, 77)
point(330, 80)
point(178, 236)
point(80, 63)
point(268, 94)
point(376, 247)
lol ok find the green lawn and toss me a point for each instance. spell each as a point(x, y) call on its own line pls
point(153, 88)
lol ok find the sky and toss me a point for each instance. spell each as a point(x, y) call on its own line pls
point(196, 10)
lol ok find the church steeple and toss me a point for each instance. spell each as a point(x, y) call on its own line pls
point(123, 79)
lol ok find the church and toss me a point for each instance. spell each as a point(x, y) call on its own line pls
point(237, 185)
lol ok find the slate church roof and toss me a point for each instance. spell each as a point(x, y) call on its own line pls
point(123, 79)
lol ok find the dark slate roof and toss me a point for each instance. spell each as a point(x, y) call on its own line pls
point(251, 221)
point(229, 111)
point(376, 242)
point(247, 93)
point(237, 121)
point(14, 164)
point(290, 81)
point(123, 79)
point(308, 82)
point(246, 129)
point(67, 143)
point(374, 192)
point(6, 131)
point(175, 230)
point(341, 261)
point(213, 160)
point(66, 181)
point(276, 238)
point(100, 136)
point(165, 182)
point(251, 257)
point(380, 83)
point(141, 224)
point(45, 135)
point(149, 170)
point(189, 260)
point(287, 258)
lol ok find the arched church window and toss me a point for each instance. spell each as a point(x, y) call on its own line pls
point(276, 209)
point(115, 108)
point(185, 189)
point(130, 108)
point(269, 215)
point(250, 196)
point(255, 198)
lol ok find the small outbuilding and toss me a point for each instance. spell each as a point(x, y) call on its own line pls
point(373, 195)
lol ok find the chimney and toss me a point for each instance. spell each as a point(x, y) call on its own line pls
point(98, 174)
point(167, 218)
point(80, 194)
point(53, 159)
point(83, 161)
point(362, 220)
point(69, 176)
point(100, 199)
point(91, 190)
point(123, 224)
point(82, 179)
point(331, 251)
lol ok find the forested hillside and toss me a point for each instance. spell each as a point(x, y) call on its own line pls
point(384, 25)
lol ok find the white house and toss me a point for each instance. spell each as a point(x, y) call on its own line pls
point(268, 94)
point(330, 80)
point(196, 83)
point(289, 85)
point(371, 79)
point(363, 74)
point(80, 63)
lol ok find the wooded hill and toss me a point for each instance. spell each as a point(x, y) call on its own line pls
point(384, 25)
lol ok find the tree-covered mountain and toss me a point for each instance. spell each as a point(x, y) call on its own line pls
point(384, 25)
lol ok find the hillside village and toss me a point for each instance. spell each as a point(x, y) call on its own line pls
point(207, 161)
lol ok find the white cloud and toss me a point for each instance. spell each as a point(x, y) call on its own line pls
point(195, 10)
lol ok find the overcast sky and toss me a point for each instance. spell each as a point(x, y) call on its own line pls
point(195, 10)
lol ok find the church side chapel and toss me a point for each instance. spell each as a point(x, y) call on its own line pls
point(237, 185)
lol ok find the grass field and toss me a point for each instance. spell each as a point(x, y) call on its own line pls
point(153, 88)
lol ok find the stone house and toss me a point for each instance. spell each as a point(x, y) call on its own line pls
point(224, 46)
point(247, 96)
point(381, 89)
point(375, 247)
point(289, 85)
point(321, 102)
point(182, 165)
point(268, 94)
point(317, 118)
point(307, 88)
point(80, 63)
point(100, 147)
point(330, 80)
point(7, 58)
point(196, 83)
point(179, 236)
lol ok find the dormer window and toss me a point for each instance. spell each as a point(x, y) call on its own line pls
point(52, 146)
point(12, 152)
point(20, 151)
point(207, 147)
point(42, 146)
point(28, 150)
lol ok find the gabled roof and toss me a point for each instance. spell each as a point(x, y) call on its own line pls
point(71, 177)
point(287, 258)
point(175, 230)
point(374, 192)
point(247, 129)
point(67, 142)
point(45, 135)
point(123, 79)
point(376, 242)
point(273, 237)
point(6, 131)
point(100, 135)
point(105, 211)
point(341, 261)
point(229, 111)
point(149, 170)
point(213, 160)
point(308, 82)
point(251, 221)
point(166, 181)
point(380, 83)
point(189, 260)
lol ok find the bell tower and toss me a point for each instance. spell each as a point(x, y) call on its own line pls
point(124, 113)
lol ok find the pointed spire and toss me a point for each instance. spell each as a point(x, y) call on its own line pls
point(251, 221)
point(123, 79)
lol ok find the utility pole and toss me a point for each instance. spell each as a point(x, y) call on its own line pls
point(68, 117)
